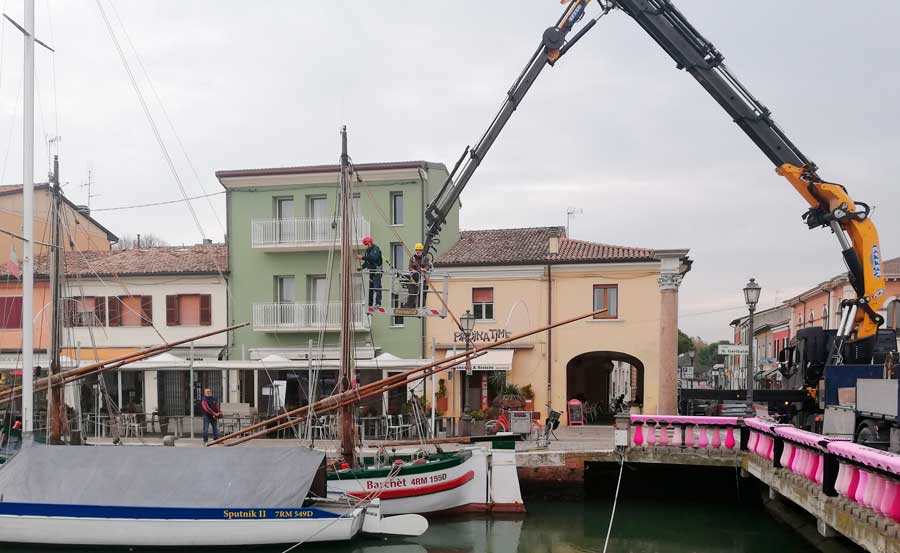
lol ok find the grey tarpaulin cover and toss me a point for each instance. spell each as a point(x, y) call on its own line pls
point(156, 476)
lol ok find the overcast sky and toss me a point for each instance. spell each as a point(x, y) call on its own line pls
point(613, 129)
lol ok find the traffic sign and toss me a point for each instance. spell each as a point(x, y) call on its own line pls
point(732, 349)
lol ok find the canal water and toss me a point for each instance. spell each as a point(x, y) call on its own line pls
point(642, 525)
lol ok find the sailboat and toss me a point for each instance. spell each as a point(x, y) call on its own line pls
point(473, 479)
point(156, 496)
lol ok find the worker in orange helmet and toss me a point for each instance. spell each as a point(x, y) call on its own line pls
point(419, 267)
point(372, 263)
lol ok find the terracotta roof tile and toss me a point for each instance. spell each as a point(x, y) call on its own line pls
point(210, 259)
point(531, 245)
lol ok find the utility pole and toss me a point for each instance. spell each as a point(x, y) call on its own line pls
point(55, 394)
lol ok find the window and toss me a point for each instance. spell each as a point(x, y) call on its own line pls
point(893, 315)
point(86, 311)
point(606, 296)
point(800, 321)
point(131, 311)
point(284, 207)
point(483, 304)
point(10, 312)
point(395, 303)
point(285, 290)
point(317, 289)
point(189, 310)
point(316, 207)
point(354, 206)
point(398, 256)
point(825, 316)
point(396, 208)
point(812, 318)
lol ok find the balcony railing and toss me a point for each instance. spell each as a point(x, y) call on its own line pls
point(295, 317)
point(302, 234)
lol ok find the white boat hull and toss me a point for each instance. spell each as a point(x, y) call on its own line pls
point(235, 527)
point(460, 487)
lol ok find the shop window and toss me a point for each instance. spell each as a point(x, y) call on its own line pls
point(893, 315)
point(606, 296)
point(483, 304)
point(189, 310)
point(10, 312)
point(85, 311)
point(131, 311)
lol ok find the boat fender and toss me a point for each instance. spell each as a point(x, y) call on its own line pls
point(345, 466)
point(398, 462)
point(419, 461)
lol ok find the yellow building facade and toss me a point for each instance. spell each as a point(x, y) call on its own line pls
point(513, 280)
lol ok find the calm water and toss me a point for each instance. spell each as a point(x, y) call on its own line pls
point(641, 526)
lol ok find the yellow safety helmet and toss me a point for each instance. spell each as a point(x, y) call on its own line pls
point(420, 247)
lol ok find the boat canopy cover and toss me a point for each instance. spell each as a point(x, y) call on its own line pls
point(157, 476)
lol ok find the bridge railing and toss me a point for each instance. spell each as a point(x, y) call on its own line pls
point(866, 476)
point(684, 432)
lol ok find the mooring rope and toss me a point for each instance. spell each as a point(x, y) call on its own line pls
point(615, 500)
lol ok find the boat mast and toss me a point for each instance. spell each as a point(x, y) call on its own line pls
point(348, 374)
point(55, 396)
point(28, 225)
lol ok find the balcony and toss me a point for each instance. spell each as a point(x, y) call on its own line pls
point(294, 235)
point(305, 317)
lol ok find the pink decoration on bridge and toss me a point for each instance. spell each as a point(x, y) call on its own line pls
point(812, 467)
point(786, 455)
point(887, 499)
point(703, 442)
point(676, 436)
point(868, 495)
point(651, 434)
point(751, 443)
point(894, 511)
point(820, 470)
point(664, 434)
point(840, 483)
point(853, 483)
point(878, 493)
point(689, 435)
point(792, 458)
point(861, 487)
point(729, 438)
point(638, 436)
point(770, 449)
point(716, 438)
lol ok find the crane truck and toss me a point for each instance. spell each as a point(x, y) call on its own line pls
point(820, 362)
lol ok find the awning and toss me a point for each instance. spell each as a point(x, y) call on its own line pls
point(493, 360)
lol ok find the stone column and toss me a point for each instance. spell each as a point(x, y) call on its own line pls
point(671, 270)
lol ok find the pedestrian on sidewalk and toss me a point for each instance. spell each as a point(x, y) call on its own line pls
point(212, 412)
point(372, 262)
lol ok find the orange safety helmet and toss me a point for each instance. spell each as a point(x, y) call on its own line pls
point(367, 240)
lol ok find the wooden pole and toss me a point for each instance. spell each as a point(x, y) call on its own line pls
point(381, 384)
point(347, 379)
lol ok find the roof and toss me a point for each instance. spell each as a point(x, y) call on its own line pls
point(531, 246)
point(7, 189)
point(334, 168)
point(890, 268)
point(166, 260)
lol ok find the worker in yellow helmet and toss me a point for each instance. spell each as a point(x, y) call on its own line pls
point(419, 267)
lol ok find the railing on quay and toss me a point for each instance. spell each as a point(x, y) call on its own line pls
point(839, 468)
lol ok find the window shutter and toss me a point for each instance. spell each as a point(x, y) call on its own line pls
point(115, 311)
point(172, 310)
point(482, 295)
point(147, 310)
point(100, 310)
point(205, 310)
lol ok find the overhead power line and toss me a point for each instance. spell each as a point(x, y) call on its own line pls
point(178, 201)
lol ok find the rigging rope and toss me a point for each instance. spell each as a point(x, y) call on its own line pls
point(612, 515)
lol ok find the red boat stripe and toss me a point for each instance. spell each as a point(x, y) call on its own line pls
point(421, 490)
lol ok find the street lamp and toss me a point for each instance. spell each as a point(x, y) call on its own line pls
point(467, 322)
point(751, 297)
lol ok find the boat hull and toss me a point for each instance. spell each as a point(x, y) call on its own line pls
point(455, 484)
point(130, 526)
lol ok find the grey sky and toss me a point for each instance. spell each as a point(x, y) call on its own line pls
point(613, 128)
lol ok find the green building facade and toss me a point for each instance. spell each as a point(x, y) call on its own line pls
point(281, 243)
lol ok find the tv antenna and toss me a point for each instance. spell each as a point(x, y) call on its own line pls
point(571, 212)
point(88, 185)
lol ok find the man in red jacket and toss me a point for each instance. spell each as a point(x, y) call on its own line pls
point(212, 412)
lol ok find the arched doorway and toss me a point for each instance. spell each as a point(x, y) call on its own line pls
point(598, 377)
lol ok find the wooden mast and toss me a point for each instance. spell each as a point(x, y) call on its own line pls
point(348, 374)
point(55, 395)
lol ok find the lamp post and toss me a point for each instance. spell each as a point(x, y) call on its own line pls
point(751, 297)
point(691, 354)
point(467, 321)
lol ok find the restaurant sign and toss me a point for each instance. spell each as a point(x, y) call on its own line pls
point(489, 335)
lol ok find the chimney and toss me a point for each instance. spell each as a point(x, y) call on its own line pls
point(207, 241)
point(553, 245)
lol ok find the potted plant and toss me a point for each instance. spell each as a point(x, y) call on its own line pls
point(478, 416)
point(511, 397)
point(441, 396)
point(528, 394)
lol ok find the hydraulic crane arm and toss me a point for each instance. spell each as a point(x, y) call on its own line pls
point(553, 46)
point(830, 205)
